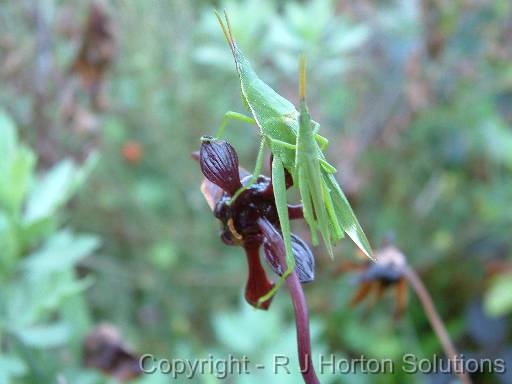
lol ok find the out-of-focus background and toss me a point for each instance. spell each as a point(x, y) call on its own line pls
point(102, 220)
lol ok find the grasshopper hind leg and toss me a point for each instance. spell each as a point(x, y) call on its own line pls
point(279, 184)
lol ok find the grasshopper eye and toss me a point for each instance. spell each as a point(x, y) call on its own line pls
point(219, 164)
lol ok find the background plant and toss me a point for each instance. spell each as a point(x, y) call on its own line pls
point(43, 312)
point(418, 114)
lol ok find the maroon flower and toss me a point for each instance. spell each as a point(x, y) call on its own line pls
point(219, 164)
point(251, 221)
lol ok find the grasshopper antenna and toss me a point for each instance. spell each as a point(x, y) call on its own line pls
point(231, 39)
point(302, 77)
point(227, 30)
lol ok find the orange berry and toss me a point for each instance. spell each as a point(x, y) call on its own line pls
point(132, 152)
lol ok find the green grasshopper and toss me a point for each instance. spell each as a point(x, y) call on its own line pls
point(297, 147)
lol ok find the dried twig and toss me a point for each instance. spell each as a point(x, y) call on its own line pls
point(436, 322)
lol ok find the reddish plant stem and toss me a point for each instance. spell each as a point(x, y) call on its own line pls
point(301, 313)
point(302, 323)
point(436, 322)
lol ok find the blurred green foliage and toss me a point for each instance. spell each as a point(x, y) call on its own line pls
point(42, 306)
point(415, 97)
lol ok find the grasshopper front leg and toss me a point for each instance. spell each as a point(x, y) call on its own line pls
point(230, 115)
point(323, 142)
point(279, 184)
point(259, 161)
point(256, 172)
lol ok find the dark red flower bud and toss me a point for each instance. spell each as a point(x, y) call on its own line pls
point(304, 259)
point(273, 246)
point(219, 164)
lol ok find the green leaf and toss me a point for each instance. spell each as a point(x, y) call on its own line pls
point(55, 188)
point(61, 251)
point(8, 137)
point(230, 328)
point(16, 165)
point(50, 192)
point(37, 295)
point(33, 233)
point(11, 366)
point(8, 244)
point(498, 300)
point(85, 170)
point(44, 336)
point(56, 289)
point(16, 177)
